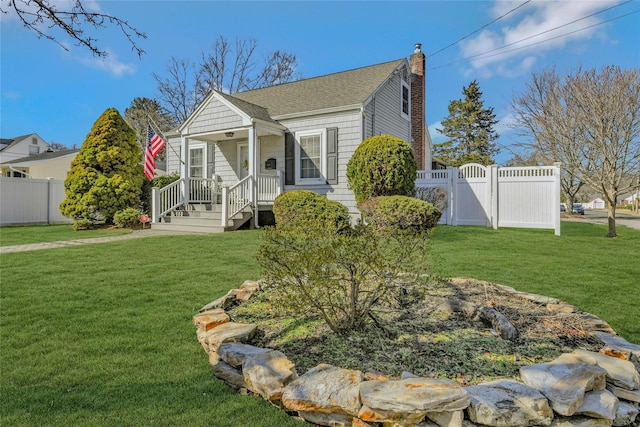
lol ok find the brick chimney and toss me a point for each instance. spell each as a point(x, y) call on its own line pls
point(417, 65)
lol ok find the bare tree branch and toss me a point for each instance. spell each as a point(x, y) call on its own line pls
point(36, 14)
point(590, 122)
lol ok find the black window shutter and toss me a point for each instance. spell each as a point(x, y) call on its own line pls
point(289, 159)
point(332, 155)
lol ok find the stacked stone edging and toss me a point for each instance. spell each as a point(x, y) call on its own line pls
point(579, 389)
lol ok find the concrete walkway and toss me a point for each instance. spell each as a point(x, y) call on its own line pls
point(136, 234)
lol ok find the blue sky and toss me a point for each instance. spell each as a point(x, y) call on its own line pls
point(59, 94)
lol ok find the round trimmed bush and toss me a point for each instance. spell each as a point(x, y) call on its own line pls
point(127, 218)
point(308, 210)
point(400, 212)
point(382, 166)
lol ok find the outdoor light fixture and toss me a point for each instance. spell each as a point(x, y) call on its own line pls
point(228, 134)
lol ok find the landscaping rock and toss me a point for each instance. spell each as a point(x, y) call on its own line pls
point(227, 332)
point(326, 389)
point(499, 322)
point(446, 419)
point(626, 414)
point(209, 319)
point(564, 381)
point(332, 420)
point(620, 344)
point(580, 422)
point(620, 373)
point(409, 400)
point(621, 393)
point(599, 404)
point(508, 403)
point(235, 353)
point(224, 302)
point(561, 308)
point(268, 373)
point(230, 375)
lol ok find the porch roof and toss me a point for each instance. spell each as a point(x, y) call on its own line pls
point(319, 93)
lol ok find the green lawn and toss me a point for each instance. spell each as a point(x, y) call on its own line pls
point(22, 235)
point(101, 335)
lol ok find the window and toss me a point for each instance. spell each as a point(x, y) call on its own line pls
point(34, 149)
point(310, 155)
point(404, 111)
point(196, 162)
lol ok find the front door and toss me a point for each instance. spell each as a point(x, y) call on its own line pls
point(243, 160)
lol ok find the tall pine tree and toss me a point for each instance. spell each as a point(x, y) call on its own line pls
point(106, 176)
point(469, 128)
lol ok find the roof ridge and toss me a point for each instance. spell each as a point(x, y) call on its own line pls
point(320, 76)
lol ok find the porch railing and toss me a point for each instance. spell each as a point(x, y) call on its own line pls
point(167, 199)
point(235, 199)
point(269, 187)
point(204, 190)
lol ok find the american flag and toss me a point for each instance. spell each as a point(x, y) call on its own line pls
point(154, 142)
point(149, 162)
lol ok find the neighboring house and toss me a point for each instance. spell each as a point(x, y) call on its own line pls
point(596, 203)
point(631, 199)
point(21, 146)
point(298, 135)
point(49, 164)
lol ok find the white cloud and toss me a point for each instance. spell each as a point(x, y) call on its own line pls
point(110, 64)
point(521, 32)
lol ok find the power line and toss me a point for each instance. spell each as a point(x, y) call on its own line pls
point(485, 55)
point(481, 28)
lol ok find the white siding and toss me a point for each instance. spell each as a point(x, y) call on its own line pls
point(226, 162)
point(382, 113)
point(216, 115)
point(173, 155)
point(349, 137)
point(272, 146)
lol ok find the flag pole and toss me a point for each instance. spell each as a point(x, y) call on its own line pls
point(156, 128)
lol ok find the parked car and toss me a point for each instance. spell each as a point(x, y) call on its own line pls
point(578, 209)
point(563, 207)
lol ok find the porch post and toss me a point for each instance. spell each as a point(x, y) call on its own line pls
point(184, 169)
point(253, 170)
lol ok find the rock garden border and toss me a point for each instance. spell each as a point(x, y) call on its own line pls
point(581, 389)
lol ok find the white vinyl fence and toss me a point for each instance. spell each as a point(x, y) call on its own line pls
point(31, 201)
point(525, 197)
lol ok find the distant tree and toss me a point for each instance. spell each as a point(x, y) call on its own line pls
point(57, 146)
point(106, 176)
point(137, 117)
point(228, 67)
point(469, 128)
point(590, 122)
point(71, 17)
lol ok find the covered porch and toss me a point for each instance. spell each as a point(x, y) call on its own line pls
point(231, 169)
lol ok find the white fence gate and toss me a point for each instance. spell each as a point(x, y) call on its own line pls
point(526, 197)
point(31, 201)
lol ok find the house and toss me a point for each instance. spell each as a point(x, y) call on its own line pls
point(49, 164)
point(21, 146)
point(235, 154)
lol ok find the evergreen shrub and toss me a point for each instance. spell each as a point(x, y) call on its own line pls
point(401, 213)
point(382, 165)
point(305, 210)
point(127, 218)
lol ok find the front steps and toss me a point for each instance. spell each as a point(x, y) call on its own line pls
point(201, 218)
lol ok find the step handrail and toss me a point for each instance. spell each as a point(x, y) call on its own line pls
point(236, 198)
point(167, 199)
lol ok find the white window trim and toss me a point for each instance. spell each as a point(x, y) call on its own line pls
point(404, 84)
point(323, 158)
point(199, 146)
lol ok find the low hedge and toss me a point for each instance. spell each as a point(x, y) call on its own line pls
point(400, 212)
point(308, 210)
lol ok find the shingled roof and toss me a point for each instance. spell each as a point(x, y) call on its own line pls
point(318, 93)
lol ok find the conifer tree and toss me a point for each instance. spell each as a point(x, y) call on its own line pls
point(106, 176)
point(469, 128)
